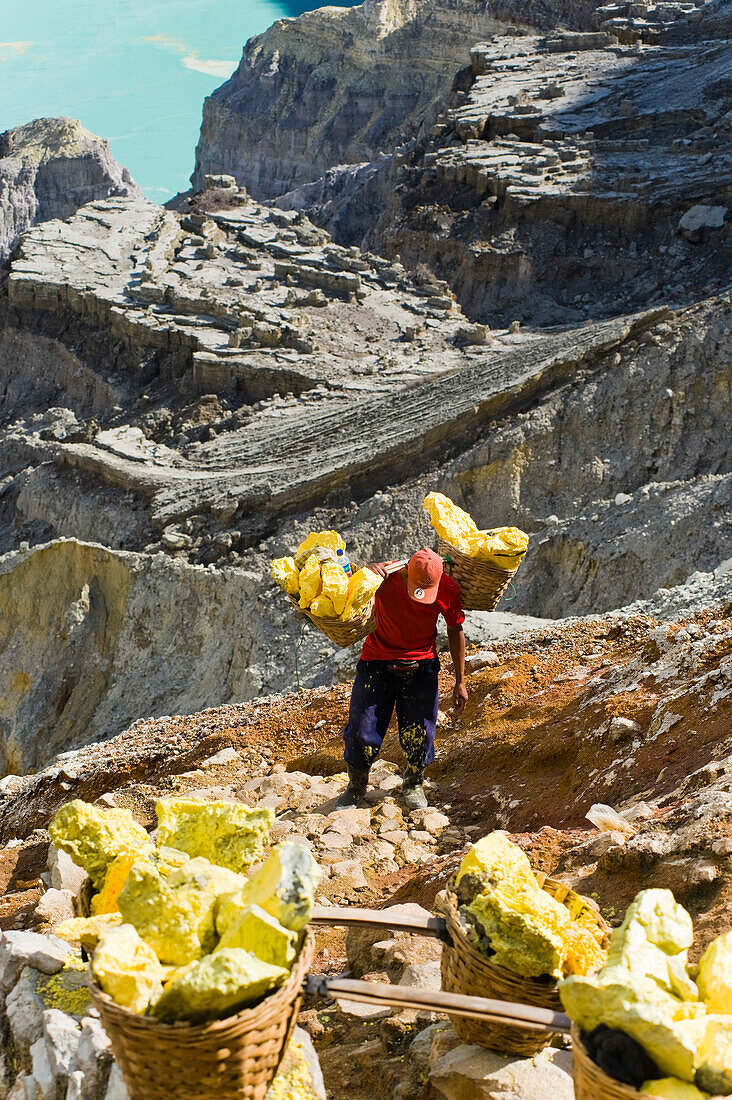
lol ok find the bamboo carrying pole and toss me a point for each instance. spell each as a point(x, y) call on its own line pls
point(352, 917)
point(477, 1008)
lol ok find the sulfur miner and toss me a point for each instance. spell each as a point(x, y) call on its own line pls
point(399, 670)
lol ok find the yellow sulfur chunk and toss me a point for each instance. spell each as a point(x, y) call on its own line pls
point(495, 859)
point(582, 952)
point(94, 837)
point(175, 913)
point(503, 547)
point(361, 590)
point(640, 991)
point(311, 582)
point(127, 968)
point(218, 985)
point(106, 900)
point(259, 932)
point(335, 585)
point(87, 930)
point(671, 1088)
point(323, 608)
point(715, 975)
point(284, 886)
point(226, 833)
point(451, 523)
point(284, 572)
point(714, 1056)
point(329, 540)
point(524, 929)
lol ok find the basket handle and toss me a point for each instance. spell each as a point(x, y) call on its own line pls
point(353, 917)
point(476, 1008)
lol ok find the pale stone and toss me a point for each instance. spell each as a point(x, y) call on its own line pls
point(116, 1088)
point(65, 874)
point(422, 976)
point(226, 756)
point(62, 1040)
point(55, 906)
point(19, 949)
point(473, 1073)
point(24, 1009)
point(41, 1070)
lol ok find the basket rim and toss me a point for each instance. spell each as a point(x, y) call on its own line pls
point(185, 1029)
point(461, 558)
point(356, 620)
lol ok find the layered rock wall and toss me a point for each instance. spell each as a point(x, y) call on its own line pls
point(48, 169)
point(342, 85)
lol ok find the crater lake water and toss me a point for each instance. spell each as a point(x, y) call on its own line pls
point(135, 72)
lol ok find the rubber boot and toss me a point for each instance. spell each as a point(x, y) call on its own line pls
point(356, 789)
point(413, 791)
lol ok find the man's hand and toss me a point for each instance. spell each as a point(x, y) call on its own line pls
point(459, 696)
point(385, 568)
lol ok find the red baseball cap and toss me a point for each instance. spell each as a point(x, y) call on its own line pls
point(423, 576)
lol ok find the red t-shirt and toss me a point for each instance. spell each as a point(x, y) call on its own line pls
point(406, 629)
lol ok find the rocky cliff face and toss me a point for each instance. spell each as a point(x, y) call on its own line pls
point(48, 169)
point(204, 389)
point(342, 85)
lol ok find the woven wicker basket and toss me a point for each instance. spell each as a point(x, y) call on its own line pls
point(481, 584)
point(342, 633)
point(467, 970)
point(235, 1058)
point(590, 1083)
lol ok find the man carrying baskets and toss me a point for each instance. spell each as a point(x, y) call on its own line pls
point(399, 667)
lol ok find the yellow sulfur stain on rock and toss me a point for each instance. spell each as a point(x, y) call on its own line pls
point(68, 990)
point(294, 1080)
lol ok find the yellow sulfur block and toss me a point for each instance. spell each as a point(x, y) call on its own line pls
point(127, 968)
point(284, 572)
point(361, 589)
point(87, 930)
point(582, 952)
point(330, 540)
point(503, 547)
point(451, 523)
point(715, 975)
point(335, 585)
point(671, 1088)
point(311, 582)
point(323, 608)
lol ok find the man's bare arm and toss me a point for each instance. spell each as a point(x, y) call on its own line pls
point(456, 640)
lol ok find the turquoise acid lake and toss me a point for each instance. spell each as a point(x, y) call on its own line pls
point(132, 71)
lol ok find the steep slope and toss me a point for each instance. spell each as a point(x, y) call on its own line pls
point(48, 169)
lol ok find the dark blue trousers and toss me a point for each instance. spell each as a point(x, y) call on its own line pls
point(376, 692)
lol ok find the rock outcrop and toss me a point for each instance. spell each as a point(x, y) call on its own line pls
point(208, 387)
point(48, 169)
point(342, 85)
